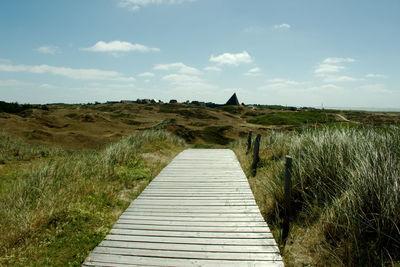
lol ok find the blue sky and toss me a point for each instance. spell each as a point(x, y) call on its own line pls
point(300, 53)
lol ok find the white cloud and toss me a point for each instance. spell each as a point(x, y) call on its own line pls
point(181, 78)
point(47, 49)
point(374, 75)
point(111, 85)
point(77, 74)
point(48, 86)
point(135, 5)
point(232, 59)
point(282, 26)
point(146, 74)
point(336, 60)
point(328, 68)
point(118, 46)
point(179, 66)
point(331, 65)
point(374, 88)
point(212, 68)
point(334, 79)
point(253, 72)
point(325, 88)
point(278, 82)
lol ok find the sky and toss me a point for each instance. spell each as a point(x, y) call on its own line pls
point(331, 53)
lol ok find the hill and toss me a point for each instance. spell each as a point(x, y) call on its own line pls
point(93, 126)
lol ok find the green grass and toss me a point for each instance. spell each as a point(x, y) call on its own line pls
point(345, 194)
point(185, 111)
point(231, 109)
point(57, 205)
point(292, 118)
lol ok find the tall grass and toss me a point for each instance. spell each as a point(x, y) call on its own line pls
point(345, 195)
point(54, 210)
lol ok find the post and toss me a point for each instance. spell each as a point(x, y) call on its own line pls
point(249, 142)
point(256, 158)
point(288, 189)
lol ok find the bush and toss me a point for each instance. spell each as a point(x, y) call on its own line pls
point(55, 210)
point(345, 194)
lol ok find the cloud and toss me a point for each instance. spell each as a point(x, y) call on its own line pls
point(328, 68)
point(325, 88)
point(118, 46)
point(135, 5)
point(332, 65)
point(282, 26)
point(334, 79)
point(47, 49)
point(77, 74)
point(181, 79)
point(232, 59)
point(253, 72)
point(212, 68)
point(179, 66)
point(146, 74)
point(278, 82)
point(48, 86)
point(336, 60)
point(374, 88)
point(373, 75)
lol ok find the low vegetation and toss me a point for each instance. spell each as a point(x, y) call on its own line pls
point(59, 197)
point(16, 108)
point(292, 118)
point(56, 205)
point(345, 194)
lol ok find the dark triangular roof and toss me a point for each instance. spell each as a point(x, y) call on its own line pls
point(233, 101)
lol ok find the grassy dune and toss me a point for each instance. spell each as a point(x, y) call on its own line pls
point(345, 195)
point(56, 205)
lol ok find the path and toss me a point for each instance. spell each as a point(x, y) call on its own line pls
point(199, 211)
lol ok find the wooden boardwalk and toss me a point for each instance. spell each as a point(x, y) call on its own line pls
point(199, 211)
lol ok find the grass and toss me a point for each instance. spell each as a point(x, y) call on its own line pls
point(292, 118)
point(188, 113)
point(345, 194)
point(57, 205)
point(232, 109)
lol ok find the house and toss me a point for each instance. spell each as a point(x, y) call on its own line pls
point(233, 101)
point(143, 101)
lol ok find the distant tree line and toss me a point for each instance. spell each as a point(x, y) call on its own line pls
point(15, 108)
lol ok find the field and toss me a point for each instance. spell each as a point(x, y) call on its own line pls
point(68, 171)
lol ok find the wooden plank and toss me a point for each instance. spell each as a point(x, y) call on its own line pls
point(199, 211)
point(192, 240)
point(189, 247)
point(199, 215)
point(174, 210)
point(191, 218)
point(203, 208)
point(121, 231)
point(193, 202)
point(154, 261)
point(238, 229)
point(187, 254)
point(191, 223)
point(197, 197)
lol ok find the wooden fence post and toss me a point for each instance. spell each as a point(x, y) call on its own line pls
point(249, 142)
point(256, 158)
point(287, 207)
